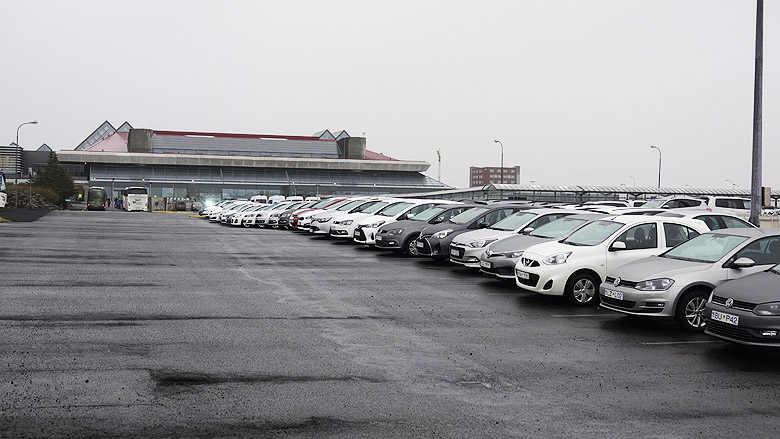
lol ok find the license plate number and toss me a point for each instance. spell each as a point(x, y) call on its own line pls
point(613, 294)
point(420, 244)
point(522, 275)
point(484, 264)
point(726, 318)
point(378, 238)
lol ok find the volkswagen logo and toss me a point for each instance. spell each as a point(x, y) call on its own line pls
point(616, 282)
point(729, 302)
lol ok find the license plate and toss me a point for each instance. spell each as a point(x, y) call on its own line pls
point(420, 244)
point(613, 294)
point(726, 318)
point(522, 275)
point(378, 238)
point(484, 264)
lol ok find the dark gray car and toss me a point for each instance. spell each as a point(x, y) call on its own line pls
point(401, 236)
point(747, 310)
point(434, 240)
point(499, 258)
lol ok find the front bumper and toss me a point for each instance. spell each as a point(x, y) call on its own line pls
point(638, 303)
point(542, 278)
point(466, 256)
point(498, 266)
point(751, 329)
point(364, 235)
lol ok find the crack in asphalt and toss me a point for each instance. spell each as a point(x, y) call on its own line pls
point(172, 378)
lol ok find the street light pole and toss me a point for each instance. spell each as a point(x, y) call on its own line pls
point(733, 185)
point(16, 163)
point(502, 159)
point(633, 179)
point(659, 164)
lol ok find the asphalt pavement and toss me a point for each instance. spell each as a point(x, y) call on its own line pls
point(134, 324)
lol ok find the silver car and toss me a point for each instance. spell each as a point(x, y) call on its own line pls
point(499, 258)
point(677, 283)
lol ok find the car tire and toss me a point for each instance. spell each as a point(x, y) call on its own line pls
point(582, 289)
point(410, 247)
point(689, 313)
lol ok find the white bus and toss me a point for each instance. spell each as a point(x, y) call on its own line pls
point(135, 198)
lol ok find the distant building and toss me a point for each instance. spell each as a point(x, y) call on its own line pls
point(481, 176)
point(12, 160)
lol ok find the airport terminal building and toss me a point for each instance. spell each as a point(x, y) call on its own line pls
point(202, 165)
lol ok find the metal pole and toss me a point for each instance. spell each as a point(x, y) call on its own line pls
point(659, 164)
point(755, 184)
point(502, 159)
point(16, 164)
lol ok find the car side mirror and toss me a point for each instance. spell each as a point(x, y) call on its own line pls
point(527, 230)
point(617, 245)
point(743, 263)
point(483, 225)
point(402, 217)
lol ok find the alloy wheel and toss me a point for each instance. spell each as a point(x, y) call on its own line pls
point(694, 312)
point(584, 290)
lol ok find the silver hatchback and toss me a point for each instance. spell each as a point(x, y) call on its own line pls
point(677, 283)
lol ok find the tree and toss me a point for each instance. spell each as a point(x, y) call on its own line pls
point(56, 178)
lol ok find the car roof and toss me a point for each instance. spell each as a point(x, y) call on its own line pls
point(747, 232)
point(690, 212)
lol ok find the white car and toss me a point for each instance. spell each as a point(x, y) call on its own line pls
point(344, 226)
point(302, 220)
point(238, 218)
point(737, 206)
point(575, 266)
point(320, 223)
point(216, 214)
point(260, 218)
point(366, 230)
point(466, 248)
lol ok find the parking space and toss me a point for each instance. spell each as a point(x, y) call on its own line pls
point(140, 324)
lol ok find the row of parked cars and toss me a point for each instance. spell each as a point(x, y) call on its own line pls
point(705, 267)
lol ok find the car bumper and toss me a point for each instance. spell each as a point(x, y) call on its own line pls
point(638, 303)
point(543, 279)
point(339, 231)
point(364, 235)
point(466, 256)
point(432, 247)
point(751, 329)
point(500, 267)
point(389, 242)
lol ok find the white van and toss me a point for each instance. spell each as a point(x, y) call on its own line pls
point(294, 198)
point(273, 199)
point(312, 199)
point(262, 199)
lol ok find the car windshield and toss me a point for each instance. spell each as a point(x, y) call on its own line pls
point(775, 269)
point(374, 207)
point(654, 204)
point(425, 215)
point(514, 221)
point(708, 247)
point(350, 205)
point(557, 228)
point(463, 218)
point(321, 203)
point(594, 233)
point(395, 209)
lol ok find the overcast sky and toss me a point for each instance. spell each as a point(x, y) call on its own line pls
point(576, 90)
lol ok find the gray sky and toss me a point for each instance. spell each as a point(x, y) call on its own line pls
point(576, 90)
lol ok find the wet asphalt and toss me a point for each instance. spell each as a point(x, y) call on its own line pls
point(116, 324)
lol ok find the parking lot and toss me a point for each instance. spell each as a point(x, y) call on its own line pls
point(152, 325)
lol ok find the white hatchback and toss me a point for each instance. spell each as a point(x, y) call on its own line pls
point(575, 266)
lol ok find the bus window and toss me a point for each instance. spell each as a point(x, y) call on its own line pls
point(96, 198)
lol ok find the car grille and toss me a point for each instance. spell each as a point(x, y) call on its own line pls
point(532, 280)
point(623, 283)
point(359, 235)
point(617, 303)
point(736, 333)
point(426, 248)
point(529, 262)
point(738, 304)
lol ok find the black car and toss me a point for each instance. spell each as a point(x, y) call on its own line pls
point(434, 240)
point(401, 236)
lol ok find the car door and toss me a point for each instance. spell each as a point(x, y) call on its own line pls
point(641, 241)
point(765, 252)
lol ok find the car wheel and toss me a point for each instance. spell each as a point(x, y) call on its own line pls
point(689, 314)
point(410, 247)
point(582, 290)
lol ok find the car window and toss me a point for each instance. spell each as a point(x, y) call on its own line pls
point(711, 221)
point(394, 209)
point(708, 247)
point(732, 222)
point(468, 215)
point(418, 209)
point(642, 236)
point(677, 234)
point(450, 213)
point(511, 222)
point(374, 208)
point(689, 203)
point(557, 228)
point(496, 216)
point(428, 213)
point(594, 233)
point(762, 251)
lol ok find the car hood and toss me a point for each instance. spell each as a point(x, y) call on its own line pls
point(548, 248)
point(513, 243)
point(654, 267)
point(407, 225)
point(755, 288)
point(433, 228)
point(476, 235)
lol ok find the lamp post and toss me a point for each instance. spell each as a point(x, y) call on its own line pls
point(733, 185)
point(633, 179)
point(659, 163)
point(16, 163)
point(502, 159)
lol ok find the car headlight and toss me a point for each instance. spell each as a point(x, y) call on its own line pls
point(442, 234)
point(480, 243)
point(767, 309)
point(324, 220)
point(662, 284)
point(560, 258)
point(513, 255)
point(346, 222)
point(376, 224)
point(395, 231)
